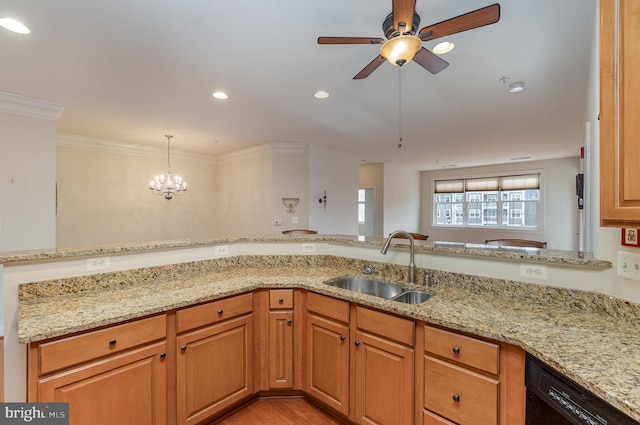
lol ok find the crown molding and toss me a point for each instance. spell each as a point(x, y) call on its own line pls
point(95, 144)
point(29, 107)
point(264, 150)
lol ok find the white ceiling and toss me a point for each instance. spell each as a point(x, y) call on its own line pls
point(132, 71)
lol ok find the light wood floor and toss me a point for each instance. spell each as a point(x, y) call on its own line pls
point(279, 411)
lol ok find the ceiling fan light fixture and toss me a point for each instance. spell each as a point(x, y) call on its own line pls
point(442, 48)
point(401, 49)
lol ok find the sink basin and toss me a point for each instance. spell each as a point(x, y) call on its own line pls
point(377, 288)
point(412, 297)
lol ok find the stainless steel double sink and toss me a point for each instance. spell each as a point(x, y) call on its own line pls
point(382, 289)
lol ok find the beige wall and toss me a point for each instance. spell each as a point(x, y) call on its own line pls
point(103, 195)
point(402, 199)
point(27, 173)
point(245, 192)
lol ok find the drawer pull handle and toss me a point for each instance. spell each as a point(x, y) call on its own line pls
point(220, 312)
point(112, 342)
point(183, 348)
point(342, 337)
point(456, 398)
point(289, 322)
point(163, 355)
point(281, 300)
point(456, 350)
point(357, 343)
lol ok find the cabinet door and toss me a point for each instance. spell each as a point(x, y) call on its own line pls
point(619, 113)
point(383, 381)
point(328, 362)
point(126, 389)
point(213, 369)
point(281, 349)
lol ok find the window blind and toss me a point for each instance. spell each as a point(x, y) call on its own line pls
point(517, 182)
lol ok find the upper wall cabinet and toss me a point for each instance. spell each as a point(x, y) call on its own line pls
point(619, 113)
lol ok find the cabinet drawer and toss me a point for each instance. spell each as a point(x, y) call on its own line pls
point(77, 349)
point(280, 299)
point(386, 325)
point(430, 418)
point(460, 395)
point(216, 311)
point(463, 349)
point(328, 307)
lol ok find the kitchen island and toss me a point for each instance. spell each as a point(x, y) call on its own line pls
point(587, 336)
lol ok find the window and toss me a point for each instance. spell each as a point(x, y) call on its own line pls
point(511, 201)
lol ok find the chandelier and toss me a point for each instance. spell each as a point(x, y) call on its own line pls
point(169, 185)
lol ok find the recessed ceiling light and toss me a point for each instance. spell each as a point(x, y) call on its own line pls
point(220, 95)
point(321, 94)
point(444, 47)
point(14, 26)
point(516, 87)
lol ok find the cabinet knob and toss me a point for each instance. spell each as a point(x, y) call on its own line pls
point(357, 343)
point(112, 342)
point(289, 322)
point(220, 312)
point(183, 348)
point(163, 355)
point(342, 337)
point(281, 300)
point(456, 350)
point(456, 398)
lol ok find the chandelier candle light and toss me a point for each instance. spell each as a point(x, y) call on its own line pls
point(169, 185)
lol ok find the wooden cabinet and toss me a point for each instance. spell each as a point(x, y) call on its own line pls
point(378, 350)
point(619, 113)
point(384, 368)
point(280, 342)
point(214, 359)
point(113, 375)
point(466, 380)
point(327, 352)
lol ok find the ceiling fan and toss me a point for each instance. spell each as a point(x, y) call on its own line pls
point(403, 45)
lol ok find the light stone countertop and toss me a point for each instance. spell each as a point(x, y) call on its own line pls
point(549, 256)
point(591, 338)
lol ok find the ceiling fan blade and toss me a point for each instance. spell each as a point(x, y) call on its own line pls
point(477, 18)
point(403, 13)
point(367, 70)
point(430, 61)
point(350, 40)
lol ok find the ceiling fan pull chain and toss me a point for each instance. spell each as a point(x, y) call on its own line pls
point(399, 107)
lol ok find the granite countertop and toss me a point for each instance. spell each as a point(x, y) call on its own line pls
point(591, 338)
point(550, 256)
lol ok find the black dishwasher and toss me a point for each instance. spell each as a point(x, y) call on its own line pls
point(553, 399)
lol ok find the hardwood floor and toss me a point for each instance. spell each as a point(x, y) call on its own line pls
point(279, 411)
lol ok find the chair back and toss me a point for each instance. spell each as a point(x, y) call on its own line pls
point(516, 242)
point(299, 232)
point(416, 236)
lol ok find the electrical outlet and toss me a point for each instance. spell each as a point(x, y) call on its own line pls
point(101, 263)
point(221, 250)
point(534, 271)
point(308, 247)
point(629, 265)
